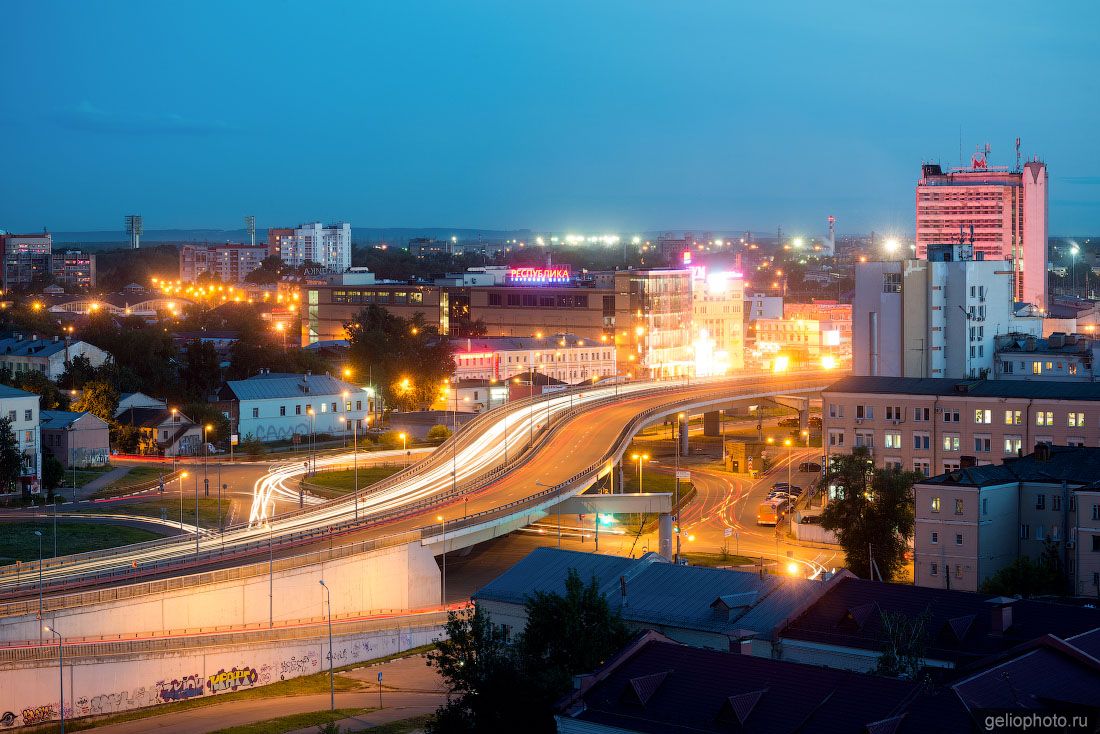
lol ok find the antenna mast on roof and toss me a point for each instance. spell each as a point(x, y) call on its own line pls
point(1017, 154)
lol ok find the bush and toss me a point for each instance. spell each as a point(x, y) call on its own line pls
point(439, 433)
point(392, 440)
point(253, 447)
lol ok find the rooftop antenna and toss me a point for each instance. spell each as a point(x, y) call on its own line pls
point(1017, 154)
point(134, 229)
point(250, 224)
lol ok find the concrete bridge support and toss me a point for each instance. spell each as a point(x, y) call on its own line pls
point(664, 536)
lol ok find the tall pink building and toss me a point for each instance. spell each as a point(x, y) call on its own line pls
point(1004, 211)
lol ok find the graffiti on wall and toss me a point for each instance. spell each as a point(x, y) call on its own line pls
point(39, 714)
point(8, 719)
point(180, 689)
point(295, 666)
point(231, 680)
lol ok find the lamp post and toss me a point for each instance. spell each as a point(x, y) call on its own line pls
point(38, 534)
point(182, 476)
point(60, 674)
point(404, 447)
point(641, 459)
point(677, 434)
point(344, 438)
point(331, 684)
point(354, 459)
point(790, 497)
point(311, 462)
point(443, 588)
point(205, 463)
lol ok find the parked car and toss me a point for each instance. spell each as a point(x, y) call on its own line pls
point(781, 485)
point(776, 496)
point(788, 423)
point(794, 491)
point(809, 466)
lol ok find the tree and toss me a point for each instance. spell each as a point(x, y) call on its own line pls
point(906, 638)
point(1027, 578)
point(11, 460)
point(200, 370)
point(502, 686)
point(406, 358)
point(873, 513)
point(439, 433)
point(206, 414)
point(253, 447)
point(270, 270)
point(78, 371)
point(52, 473)
point(37, 383)
point(99, 399)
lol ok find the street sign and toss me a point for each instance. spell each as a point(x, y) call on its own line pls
point(683, 475)
point(233, 441)
point(379, 676)
point(727, 532)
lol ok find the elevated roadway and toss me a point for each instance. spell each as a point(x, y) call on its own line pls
point(504, 470)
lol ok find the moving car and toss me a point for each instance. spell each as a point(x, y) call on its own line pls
point(809, 466)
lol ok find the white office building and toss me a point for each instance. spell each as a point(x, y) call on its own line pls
point(327, 246)
point(27, 353)
point(934, 318)
point(273, 407)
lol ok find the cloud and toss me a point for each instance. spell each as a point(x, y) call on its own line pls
point(86, 117)
point(1081, 180)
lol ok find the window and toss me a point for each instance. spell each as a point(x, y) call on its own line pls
point(958, 539)
point(1040, 533)
point(1040, 502)
point(334, 408)
point(1056, 502)
point(1013, 418)
point(950, 416)
point(11, 416)
point(298, 409)
point(1025, 531)
point(836, 438)
point(347, 407)
point(935, 504)
point(923, 467)
point(983, 416)
point(832, 410)
point(985, 505)
point(282, 410)
point(27, 414)
point(958, 571)
point(893, 413)
point(893, 440)
point(1006, 367)
point(1075, 420)
point(865, 411)
point(358, 404)
point(494, 299)
point(920, 414)
point(1096, 543)
point(891, 282)
point(1044, 418)
point(958, 507)
point(935, 569)
point(1096, 512)
point(982, 444)
point(950, 442)
point(935, 537)
point(1036, 368)
point(255, 412)
point(1013, 444)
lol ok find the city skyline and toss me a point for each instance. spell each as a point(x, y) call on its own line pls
point(614, 118)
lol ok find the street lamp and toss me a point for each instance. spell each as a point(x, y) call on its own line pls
point(354, 458)
point(790, 497)
point(331, 684)
point(641, 459)
point(1074, 250)
point(310, 459)
point(404, 447)
point(347, 405)
point(443, 590)
point(60, 672)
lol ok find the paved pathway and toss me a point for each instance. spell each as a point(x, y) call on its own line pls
point(98, 483)
point(410, 688)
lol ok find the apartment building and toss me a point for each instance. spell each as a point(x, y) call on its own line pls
point(565, 357)
point(229, 263)
point(934, 318)
point(1061, 356)
point(976, 520)
point(24, 259)
point(718, 321)
point(328, 247)
point(20, 409)
point(73, 269)
point(931, 425)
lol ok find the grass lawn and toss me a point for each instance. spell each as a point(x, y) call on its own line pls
point(18, 542)
point(293, 722)
point(169, 505)
point(405, 726)
point(140, 474)
point(339, 483)
point(83, 476)
point(717, 559)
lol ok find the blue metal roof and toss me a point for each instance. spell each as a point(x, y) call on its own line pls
point(269, 386)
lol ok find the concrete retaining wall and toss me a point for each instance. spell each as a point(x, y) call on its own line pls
point(398, 578)
point(30, 694)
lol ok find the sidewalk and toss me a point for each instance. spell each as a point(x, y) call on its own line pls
point(410, 688)
point(98, 483)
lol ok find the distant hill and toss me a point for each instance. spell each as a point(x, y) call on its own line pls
point(361, 235)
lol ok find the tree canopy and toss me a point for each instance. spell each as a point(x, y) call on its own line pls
point(872, 514)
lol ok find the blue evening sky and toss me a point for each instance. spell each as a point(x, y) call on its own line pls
point(583, 115)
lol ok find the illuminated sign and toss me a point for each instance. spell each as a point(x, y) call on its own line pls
point(539, 275)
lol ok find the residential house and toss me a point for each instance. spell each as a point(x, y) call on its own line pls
point(51, 356)
point(163, 431)
point(129, 400)
point(76, 439)
point(273, 407)
point(20, 408)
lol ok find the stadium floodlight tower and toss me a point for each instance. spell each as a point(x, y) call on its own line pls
point(250, 224)
point(134, 229)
